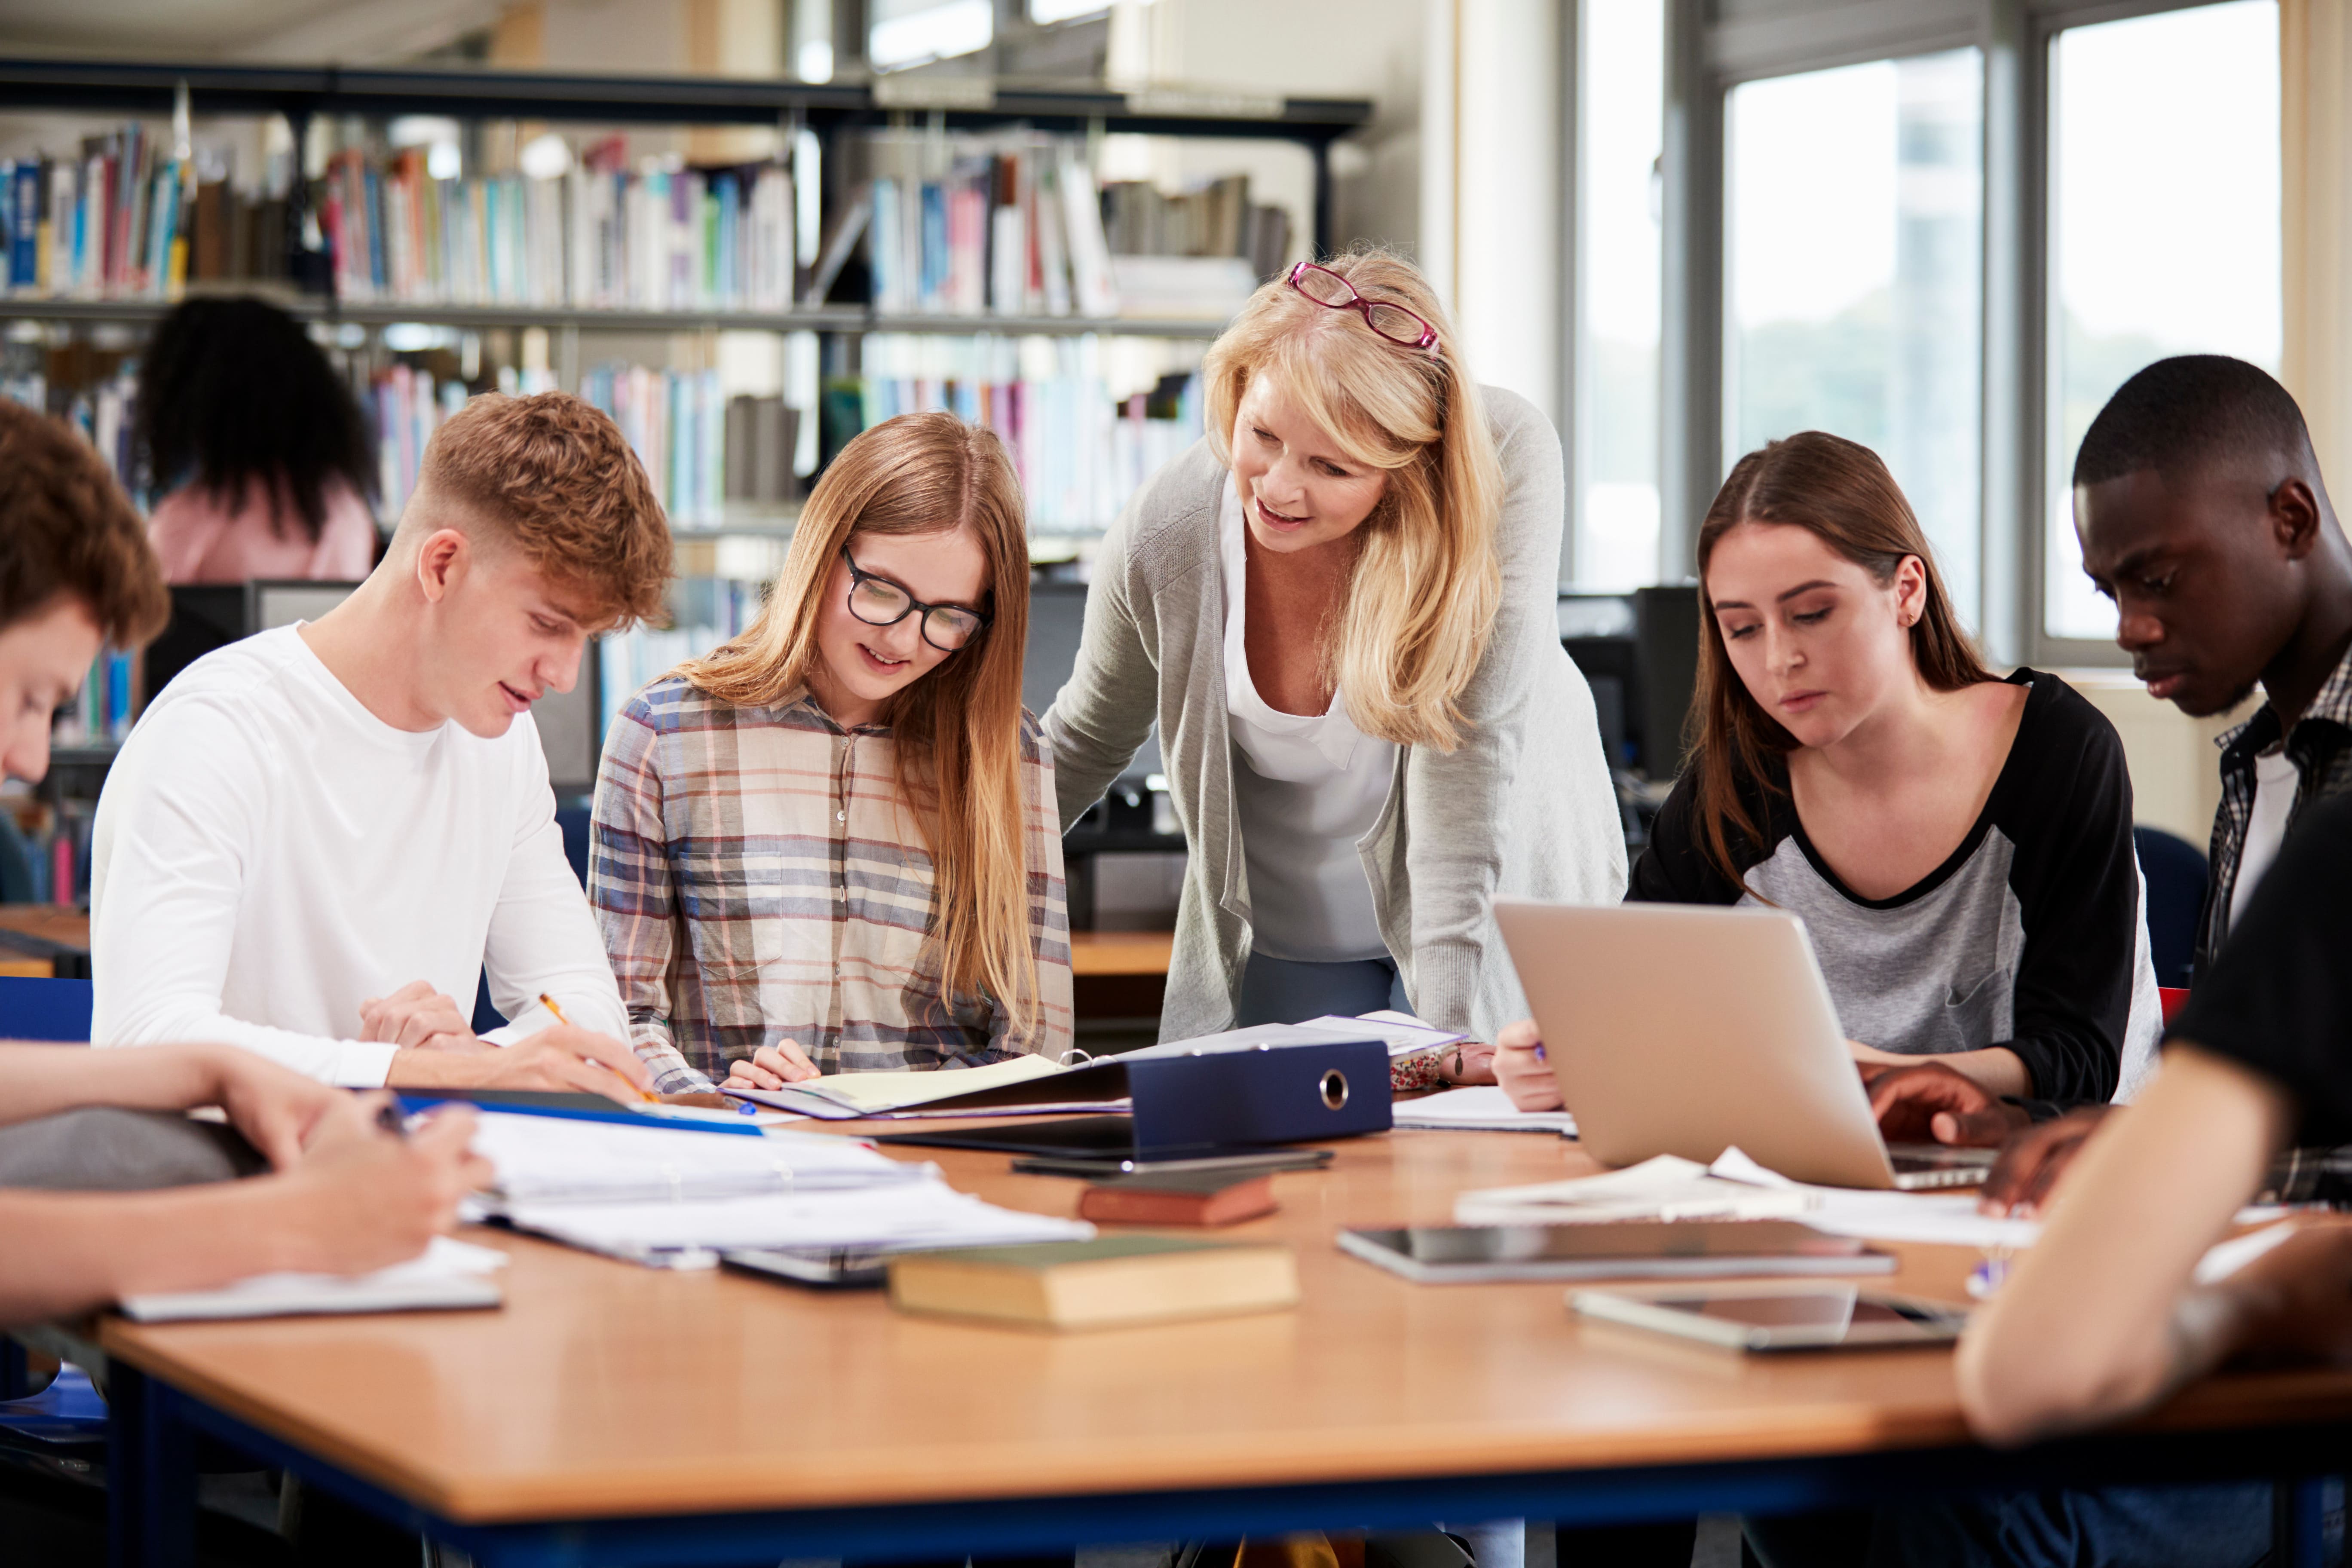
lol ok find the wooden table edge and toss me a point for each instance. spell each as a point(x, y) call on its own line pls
point(1018, 1474)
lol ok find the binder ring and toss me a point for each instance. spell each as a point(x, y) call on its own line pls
point(1335, 1089)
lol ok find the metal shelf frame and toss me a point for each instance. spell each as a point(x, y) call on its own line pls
point(821, 318)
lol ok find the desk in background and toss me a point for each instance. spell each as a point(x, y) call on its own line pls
point(43, 942)
point(616, 1415)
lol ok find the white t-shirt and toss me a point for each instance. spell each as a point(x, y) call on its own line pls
point(2276, 782)
point(268, 854)
point(1307, 788)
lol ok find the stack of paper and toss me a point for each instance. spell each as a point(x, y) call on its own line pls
point(905, 1216)
point(1667, 1188)
point(674, 1197)
point(551, 1159)
point(1482, 1108)
point(847, 1095)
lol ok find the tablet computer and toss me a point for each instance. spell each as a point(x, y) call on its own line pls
point(1777, 1317)
point(1621, 1250)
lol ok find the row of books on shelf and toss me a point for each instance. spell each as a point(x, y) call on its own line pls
point(101, 412)
point(1011, 225)
point(54, 843)
point(600, 236)
point(1017, 228)
point(113, 221)
point(1080, 449)
point(676, 421)
point(102, 712)
point(627, 662)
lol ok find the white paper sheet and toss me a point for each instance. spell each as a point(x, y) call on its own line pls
point(1950, 1218)
point(912, 1214)
point(1481, 1107)
point(1667, 1187)
point(863, 1093)
point(448, 1274)
point(1403, 1034)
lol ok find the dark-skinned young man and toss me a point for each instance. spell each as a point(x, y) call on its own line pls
point(2202, 513)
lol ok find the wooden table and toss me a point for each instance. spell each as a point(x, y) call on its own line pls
point(614, 1414)
point(1095, 953)
point(50, 927)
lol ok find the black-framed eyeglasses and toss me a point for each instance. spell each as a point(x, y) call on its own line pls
point(879, 602)
point(1394, 323)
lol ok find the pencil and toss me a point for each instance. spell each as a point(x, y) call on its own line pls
point(549, 1003)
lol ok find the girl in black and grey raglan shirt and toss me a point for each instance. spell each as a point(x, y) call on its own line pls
point(1989, 820)
point(2028, 936)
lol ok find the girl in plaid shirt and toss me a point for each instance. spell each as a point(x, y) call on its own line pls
point(830, 844)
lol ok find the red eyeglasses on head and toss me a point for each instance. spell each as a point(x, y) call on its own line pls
point(1394, 323)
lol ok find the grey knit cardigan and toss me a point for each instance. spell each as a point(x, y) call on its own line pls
point(1523, 806)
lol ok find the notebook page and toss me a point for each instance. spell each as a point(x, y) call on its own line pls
point(446, 1274)
point(914, 1215)
point(545, 1158)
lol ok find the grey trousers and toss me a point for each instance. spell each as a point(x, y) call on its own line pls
point(102, 1149)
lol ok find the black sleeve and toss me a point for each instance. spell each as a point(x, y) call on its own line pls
point(2279, 994)
point(2067, 811)
point(1673, 868)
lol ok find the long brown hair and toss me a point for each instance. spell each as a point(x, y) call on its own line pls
point(1840, 492)
point(957, 728)
point(1422, 599)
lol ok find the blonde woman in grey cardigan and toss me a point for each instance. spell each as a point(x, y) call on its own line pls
point(1340, 608)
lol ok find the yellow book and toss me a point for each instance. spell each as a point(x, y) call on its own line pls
point(1109, 1282)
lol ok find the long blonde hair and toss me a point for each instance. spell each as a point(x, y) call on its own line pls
point(1424, 593)
point(957, 728)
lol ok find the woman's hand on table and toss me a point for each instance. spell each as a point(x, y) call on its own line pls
point(1519, 1065)
point(772, 1066)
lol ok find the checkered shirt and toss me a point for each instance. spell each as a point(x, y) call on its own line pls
point(758, 877)
point(2320, 748)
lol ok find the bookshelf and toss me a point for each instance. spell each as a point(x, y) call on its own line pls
point(949, 104)
point(869, 359)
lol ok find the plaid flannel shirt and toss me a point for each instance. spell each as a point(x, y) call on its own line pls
point(759, 877)
point(2320, 748)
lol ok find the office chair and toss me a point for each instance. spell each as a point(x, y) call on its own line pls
point(50, 1010)
point(2177, 878)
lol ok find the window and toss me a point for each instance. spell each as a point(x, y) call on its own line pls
point(1622, 56)
point(906, 33)
point(2163, 229)
point(1854, 234)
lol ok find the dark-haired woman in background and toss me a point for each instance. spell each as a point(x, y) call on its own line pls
point(258, 446)
point(1959, 845)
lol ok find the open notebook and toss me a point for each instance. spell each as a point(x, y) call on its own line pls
point(1030, 1085)
point(542, 1159)
point(449, 1274)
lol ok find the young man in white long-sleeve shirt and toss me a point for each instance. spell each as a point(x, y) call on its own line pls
point(317, 839)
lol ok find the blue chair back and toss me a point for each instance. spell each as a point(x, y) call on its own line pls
point(2177, 878)
point(36, 1009)
point(573, 818)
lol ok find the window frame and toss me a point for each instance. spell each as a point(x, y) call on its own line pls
point(1714, 46)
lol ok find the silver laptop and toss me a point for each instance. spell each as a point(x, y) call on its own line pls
point(1685, 1029)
